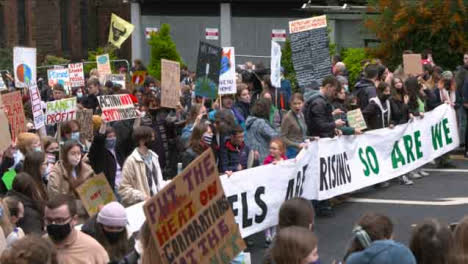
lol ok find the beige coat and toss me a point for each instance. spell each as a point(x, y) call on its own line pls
point(134, 187)
point(62, 182)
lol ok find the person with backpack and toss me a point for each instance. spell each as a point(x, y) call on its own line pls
point(366, 88)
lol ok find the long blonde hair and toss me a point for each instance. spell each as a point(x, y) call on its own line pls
point(5, 223)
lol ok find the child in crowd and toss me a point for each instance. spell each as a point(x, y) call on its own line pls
point(277, 152)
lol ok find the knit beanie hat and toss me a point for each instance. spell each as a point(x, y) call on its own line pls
point(447, 75)
point(112, 214)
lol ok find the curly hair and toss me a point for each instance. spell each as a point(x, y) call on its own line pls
point(30, 250)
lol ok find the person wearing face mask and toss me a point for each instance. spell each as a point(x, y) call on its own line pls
point(73, 246)
point(90, 100)
point(200, 140)
point(295, 244)
point(36, 166)
point(196, 115)
point(104, 156)
point(71, 131)
point(68, 173)
point(378, 113)
point(141, 173)
point(108, 228)
point(340, 110)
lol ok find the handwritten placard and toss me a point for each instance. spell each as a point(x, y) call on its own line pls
point(94, 193)
point(60, 111)
point(85, 119)
point(191, 218)
point(77, 78)
point(13, 107)
point(117, 107)
point(356, 119)
point(170, 83)
point(36, 107)
point(5, 139)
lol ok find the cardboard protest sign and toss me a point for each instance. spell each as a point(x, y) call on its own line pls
point(5, 139)
point(94, 193)
point(103, 65)
point(36, 107)
point(60, 111)
point(310, 52)
point(117, 107)
point(227, 77)
point(412, 64)
point(24, 63)
point(356, 119)
point(170, 83)
point(119, 31)
point(13, 107)
point(138, 77)
point(194, 203)
point(61, 76)
point(275, 65)
point(85, 118)
point(76, 75)
point(208, 68)
point(116, 79)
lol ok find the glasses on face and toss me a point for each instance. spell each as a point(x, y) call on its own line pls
point(56, 221)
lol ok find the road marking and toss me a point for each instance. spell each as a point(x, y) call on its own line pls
point(440, 202)
point(446, 170)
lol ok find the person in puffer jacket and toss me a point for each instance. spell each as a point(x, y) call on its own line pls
point(259, 130)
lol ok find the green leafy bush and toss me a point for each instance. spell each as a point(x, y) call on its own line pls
point(352, 58)
point(287, 63)
point(162, 47)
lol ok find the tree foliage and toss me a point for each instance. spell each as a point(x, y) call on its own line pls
point(287, 64)
point(162, 47)
point(99, 51)
point(353, 58)
point(438, 25)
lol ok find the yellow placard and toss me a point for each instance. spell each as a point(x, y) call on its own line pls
point(119, 31)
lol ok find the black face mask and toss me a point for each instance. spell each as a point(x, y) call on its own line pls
point(384, 97)
point(113, 237)
point(58, 232)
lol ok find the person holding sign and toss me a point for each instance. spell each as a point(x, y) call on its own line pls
point(141, 173)
point(68, 173)
point(340, 112)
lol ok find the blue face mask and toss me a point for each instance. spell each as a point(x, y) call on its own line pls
point(110, 143)
point(75, 136)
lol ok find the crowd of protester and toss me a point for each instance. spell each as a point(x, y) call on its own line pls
point(260, 124)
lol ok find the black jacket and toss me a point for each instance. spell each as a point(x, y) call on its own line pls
point(318, 117)
point(102, 160)
point(243, 109)
point(364, 90)
point(32, 222)
point(90, 101)
point(400, 111)
point(373, 116)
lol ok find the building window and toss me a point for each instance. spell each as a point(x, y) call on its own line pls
point(21, 20)
point(64, 15)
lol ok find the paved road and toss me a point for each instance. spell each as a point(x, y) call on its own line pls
point(335, 233)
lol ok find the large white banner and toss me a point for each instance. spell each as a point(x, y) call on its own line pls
point(275, 64)
point(332, 167)
point(227, 75)
point(24, 63)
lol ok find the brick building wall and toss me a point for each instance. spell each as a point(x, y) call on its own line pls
point(65, 28)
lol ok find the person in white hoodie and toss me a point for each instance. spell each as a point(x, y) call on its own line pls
point(141, 173)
